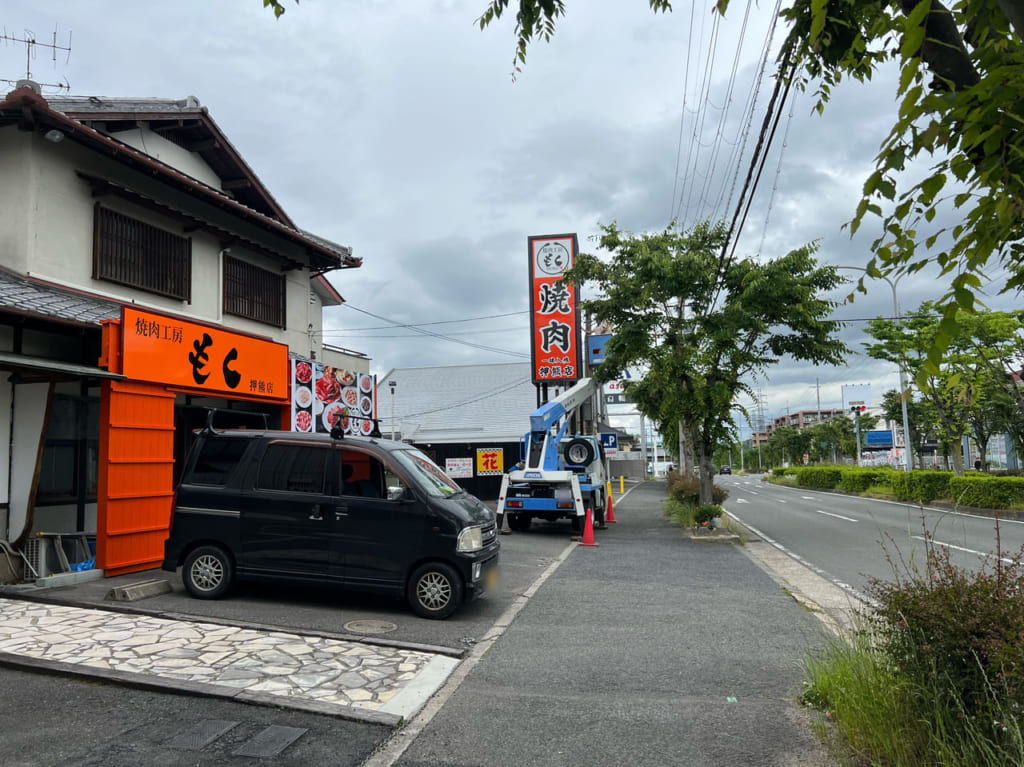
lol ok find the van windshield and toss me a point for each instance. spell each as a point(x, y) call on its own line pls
point(425, 473)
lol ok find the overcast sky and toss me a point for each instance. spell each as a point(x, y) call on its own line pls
point(395, 127)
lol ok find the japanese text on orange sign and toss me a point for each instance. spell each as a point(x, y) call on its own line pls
point(173, 351)
point(553, 319)
point(490, 460)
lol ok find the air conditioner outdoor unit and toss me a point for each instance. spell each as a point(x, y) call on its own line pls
point(37, 555)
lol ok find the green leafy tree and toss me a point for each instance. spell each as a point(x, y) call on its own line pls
point(919, 420)
point(832, 439)
point(700, 327)
point(963, 391)
point(961, 93)
point(789, 444)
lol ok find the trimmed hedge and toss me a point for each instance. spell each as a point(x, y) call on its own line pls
point(920, 486)
point(825, 477)
point(857, 480)
point(984, 492)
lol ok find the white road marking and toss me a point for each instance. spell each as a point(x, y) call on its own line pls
point(742, 500)
point(780, 500)
point(814, 568)
point(961, 548)
point(837, 516)
point(807, 497)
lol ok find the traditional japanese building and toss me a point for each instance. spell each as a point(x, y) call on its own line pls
point(146, 276)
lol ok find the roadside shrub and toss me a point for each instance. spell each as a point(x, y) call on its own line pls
point(934, 673)
point(780, 471)
point(705, 515)
point(958, 632)
point(857, 480)
point(687, 490)
point(824, 477)
point(984, 492)
point(920, 486)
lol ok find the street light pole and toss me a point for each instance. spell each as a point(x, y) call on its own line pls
point(909, 453)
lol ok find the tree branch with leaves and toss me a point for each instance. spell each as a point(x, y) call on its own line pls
point(699, 330)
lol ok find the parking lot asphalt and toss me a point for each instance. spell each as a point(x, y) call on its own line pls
point(331, 612)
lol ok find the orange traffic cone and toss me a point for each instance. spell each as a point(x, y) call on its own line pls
point(609, 515)
point(588, 533)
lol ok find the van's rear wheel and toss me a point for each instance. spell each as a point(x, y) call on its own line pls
point(435, 590)
point(207, 572)
point(519, 522)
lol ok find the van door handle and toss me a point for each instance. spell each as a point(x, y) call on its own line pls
point(316, 514)
point(340, 512)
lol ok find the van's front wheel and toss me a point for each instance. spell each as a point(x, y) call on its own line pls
point(207, 572)
point(435, 590)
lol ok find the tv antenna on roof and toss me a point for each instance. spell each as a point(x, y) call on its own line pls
point(28, 39)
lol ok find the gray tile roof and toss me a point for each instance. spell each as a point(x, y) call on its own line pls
point(116, 105)
point(26, 296)
point(460, 403)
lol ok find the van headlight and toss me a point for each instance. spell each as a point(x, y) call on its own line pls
point(471, 539)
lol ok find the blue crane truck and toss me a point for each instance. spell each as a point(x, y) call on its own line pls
point(561, 474)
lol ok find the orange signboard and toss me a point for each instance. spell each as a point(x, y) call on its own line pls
point(170, 350)
point(554, 317)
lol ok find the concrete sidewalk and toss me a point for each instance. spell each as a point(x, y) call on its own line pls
point(651, 649)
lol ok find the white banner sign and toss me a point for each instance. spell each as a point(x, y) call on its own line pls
point(458, 468)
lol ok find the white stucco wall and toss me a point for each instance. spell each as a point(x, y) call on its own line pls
point(16, 193)
point(170, 153)
point(28, 415)
point(60, 249)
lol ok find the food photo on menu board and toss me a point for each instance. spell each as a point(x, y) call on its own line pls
point(325, 396)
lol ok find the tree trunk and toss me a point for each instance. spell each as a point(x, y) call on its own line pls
point(707, 477)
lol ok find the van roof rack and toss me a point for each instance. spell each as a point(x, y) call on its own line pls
point(211, 412)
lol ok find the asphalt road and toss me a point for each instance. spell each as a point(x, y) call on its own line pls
point(53, 721)
point(849, 539)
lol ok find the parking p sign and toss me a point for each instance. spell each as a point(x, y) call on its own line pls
point(610, 440)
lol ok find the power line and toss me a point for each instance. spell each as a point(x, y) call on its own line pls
point(440, 336)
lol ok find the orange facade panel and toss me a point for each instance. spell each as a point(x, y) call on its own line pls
point(135, 476)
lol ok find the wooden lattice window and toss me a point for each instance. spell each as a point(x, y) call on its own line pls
point(134, 253)
point(254, 293)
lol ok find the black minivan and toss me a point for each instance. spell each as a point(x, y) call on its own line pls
point(361, 513)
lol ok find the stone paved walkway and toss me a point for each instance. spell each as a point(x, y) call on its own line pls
point(349, 675)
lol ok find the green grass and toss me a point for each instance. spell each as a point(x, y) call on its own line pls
point(879, 718)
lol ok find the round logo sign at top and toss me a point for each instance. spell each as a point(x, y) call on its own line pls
point(553, 258)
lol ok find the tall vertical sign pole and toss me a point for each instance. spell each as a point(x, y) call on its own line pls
point(555, 346)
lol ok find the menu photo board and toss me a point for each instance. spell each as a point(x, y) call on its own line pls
point(554, 315)
point(325, 396)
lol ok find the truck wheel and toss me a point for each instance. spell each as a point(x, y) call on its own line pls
point(579, 452)
point(434, 591)
point(598, 507)
point(519, 522)
point(207, 572)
